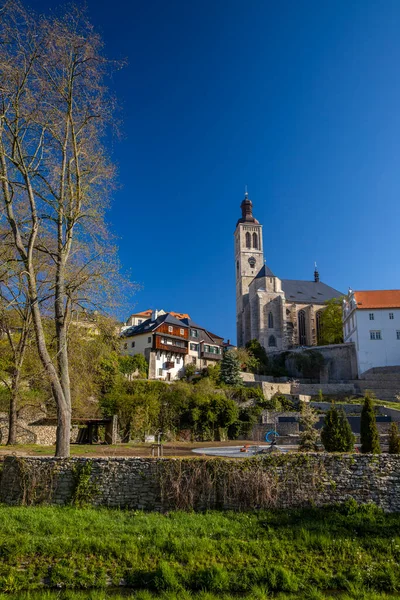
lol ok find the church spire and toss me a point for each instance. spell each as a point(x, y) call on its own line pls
point(247, 210)
point(316, 273)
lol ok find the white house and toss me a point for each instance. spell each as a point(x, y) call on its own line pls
point(371, 319)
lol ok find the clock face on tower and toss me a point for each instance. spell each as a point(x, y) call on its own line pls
point(252, 262)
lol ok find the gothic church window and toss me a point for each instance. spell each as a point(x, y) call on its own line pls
point(302, 328)
point(248, 240)
point(255, 241)
point(270, 321)
point(318, 323)
point(271, 341)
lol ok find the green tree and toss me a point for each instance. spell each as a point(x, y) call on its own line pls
point(309, 435)
point(254, 347)
point(230, 369)
point(336, 434)
point(369, 431)
point(394, 439)
point(130, 365)
point(331, 323)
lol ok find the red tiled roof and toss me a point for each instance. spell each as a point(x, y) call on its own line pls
point(148, 313)
point(378, 299)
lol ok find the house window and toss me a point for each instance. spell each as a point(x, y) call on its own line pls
point(398, 335)
point(248, 240)
point(371, 316)
point(149, 340)
point(270, 321)
point(139, 321)
point(178, 361)
point(375, 335)
point(193, 346)
point(182, 331)
point(194, 333)
point(391, 316)
point(170, 329)
point(133, 344)
point(160, 372)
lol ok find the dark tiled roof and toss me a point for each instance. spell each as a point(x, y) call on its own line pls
point(149, 325)
point(308, 292)
point(205, 336)
point(264, 272)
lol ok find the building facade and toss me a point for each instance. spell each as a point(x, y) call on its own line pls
point(371, 319)
point(279, 313)
point(205, 348)
point(169, 344)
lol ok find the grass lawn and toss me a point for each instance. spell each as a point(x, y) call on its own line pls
point(131, 449)
point(315, 554)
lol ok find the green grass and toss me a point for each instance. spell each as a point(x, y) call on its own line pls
point(309, 553)
point(256, 594)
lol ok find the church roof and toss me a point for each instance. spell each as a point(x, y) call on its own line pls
point(308, 292)
point(264, 272)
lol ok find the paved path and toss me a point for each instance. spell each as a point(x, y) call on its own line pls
point(234, 451)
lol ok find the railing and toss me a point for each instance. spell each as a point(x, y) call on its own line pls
point(170, 347)
point(211, 355)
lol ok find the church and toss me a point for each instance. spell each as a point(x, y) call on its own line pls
point(280, 313)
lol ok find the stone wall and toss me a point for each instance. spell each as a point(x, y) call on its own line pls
point(289, 480)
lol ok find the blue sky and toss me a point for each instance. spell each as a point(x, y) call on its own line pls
point(299, 100)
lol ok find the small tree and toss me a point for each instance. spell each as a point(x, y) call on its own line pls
point(309, 435)
point(394, 439)
point(336, 434)
point(255, 349)
point(230, 369)
point(331, 323)
point(369, 431)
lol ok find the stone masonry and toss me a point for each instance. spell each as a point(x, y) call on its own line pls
point(284, 481)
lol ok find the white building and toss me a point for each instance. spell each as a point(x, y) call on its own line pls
point(371, 319)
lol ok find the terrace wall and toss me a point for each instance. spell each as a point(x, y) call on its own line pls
point(285, 481)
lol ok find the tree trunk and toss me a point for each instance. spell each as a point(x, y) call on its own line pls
point(12, 418)
point(63, 437)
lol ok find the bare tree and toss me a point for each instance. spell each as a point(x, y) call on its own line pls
point(55, 174)
point(16, 328)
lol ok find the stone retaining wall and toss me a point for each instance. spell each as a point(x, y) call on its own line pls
point(289, 480)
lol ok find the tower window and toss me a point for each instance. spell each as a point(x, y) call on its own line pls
point(248, 240)
point(271, 341)
point(270, 321)
point(255, 241)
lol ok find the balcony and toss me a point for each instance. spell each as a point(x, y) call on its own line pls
point(173, 347)
point(211, 355)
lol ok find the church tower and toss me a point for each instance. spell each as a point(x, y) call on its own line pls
point(249, 259)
